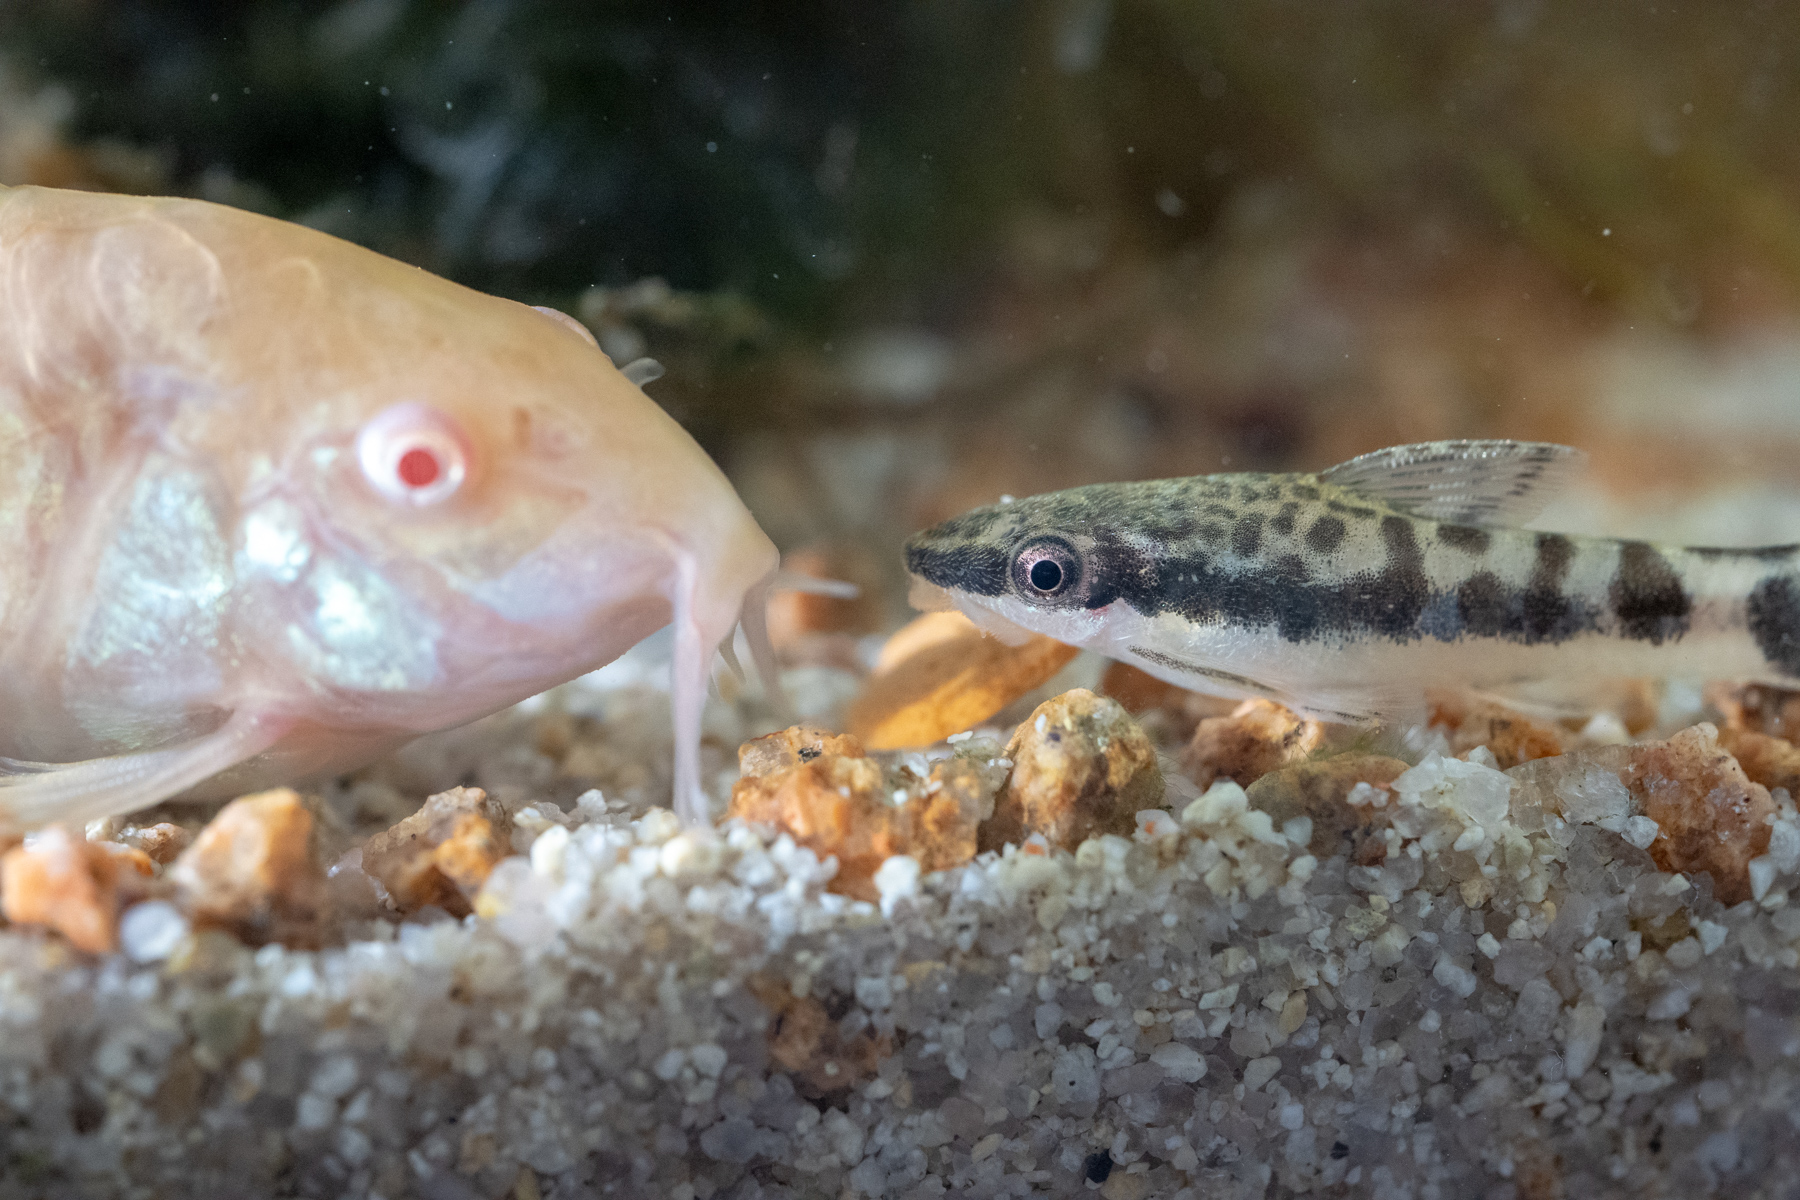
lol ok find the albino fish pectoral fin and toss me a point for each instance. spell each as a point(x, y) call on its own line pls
point(755, 623)
point(642, 371)
point(1469, 482)
point(728, 652)
point(35, 793)
point(812, 585)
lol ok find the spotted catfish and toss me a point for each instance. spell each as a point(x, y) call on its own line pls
point(1344, 594)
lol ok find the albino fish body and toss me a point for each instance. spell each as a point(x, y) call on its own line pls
point(272, 504)
point(1344, 594)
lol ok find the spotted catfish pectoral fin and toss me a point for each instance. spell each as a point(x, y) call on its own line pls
point(35, 793)
point(1465, 483)
point(1212, 681)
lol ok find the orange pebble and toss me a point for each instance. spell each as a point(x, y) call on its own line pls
point(1712, 816)
point(251, 870)
point(65, 883)
point(940, 675)
point(1258, 737)
point(441, 854)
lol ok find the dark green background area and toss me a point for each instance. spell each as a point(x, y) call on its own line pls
point(868, 157)
point(537, 148)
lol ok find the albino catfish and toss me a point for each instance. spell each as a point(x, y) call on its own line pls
point(1344, 594)
point(272, 504)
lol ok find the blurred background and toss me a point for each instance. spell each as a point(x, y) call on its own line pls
point(901, 259)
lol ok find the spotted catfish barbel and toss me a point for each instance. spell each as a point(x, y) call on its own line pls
point(272, 504)
point(1344, 594)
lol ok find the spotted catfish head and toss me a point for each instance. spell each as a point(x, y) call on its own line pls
point(1048, 564)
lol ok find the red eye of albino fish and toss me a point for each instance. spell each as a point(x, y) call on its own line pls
point(413, 453)
point(418, 468)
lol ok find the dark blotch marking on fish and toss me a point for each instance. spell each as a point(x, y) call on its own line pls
point(1549, 616)
point(1393, 600)
point(1486, 606)
point(1647, 596)
point(1119, 570)
point(1351, 510)
point(1325, 535)
point(1759, 553)
point(1212, 533)
point(1219, 510)
point(1774, 620)
point(979, 570)
point(1467, 538)
point(1246, 535)
point(1283, 521)
point(1305, 491)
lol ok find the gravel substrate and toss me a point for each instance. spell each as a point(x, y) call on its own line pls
point(1506, 1005)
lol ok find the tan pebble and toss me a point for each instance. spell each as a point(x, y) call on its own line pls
point(162, 842)
point(1537, 1174)
point(1122, 1185)
point(133, 861)
point(1139, 691)
point(554, 733)
point(442, 854)
point(63, 882)
point(1712, 816)
point(805, 1041)
point(476, 1151)
point(1320, 791)
point(1081, 767)
point(1660, 934)
point(1638, 702)
point(837, 803)
point(1758, 707)
point(788, 748)
point(941, 675)
point(1475, 892)
point(468, 856)
point(1258, 737)
point(1168, 712)
point(1513, 737)
point(252, 870)
point(1771, 761)
point(1293, 1013)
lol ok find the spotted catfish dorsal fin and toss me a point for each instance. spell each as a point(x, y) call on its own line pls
point(1468, 482)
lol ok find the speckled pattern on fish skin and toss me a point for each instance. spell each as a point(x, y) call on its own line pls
point(1323, 566)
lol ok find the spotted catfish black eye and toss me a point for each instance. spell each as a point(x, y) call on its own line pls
point(1046, 568)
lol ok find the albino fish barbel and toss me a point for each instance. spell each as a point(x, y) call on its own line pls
point(272, 504)
point(1344, 594)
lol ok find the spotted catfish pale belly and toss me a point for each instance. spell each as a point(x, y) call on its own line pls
point(271, 504)
point(1346, 593)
